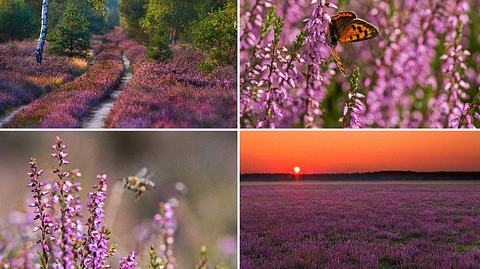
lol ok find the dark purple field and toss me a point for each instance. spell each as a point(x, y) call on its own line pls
point(360, 225)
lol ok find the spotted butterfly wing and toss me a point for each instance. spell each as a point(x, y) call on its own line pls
point(358, 30)
point(337, 25)
point(341, 21)
point(345, 28)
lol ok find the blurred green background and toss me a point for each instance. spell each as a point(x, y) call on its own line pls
point(206, 162)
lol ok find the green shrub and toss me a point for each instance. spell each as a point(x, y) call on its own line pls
point(216, 35)
point(72, 36)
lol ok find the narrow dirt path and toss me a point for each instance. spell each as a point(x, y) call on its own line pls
point(7, 118)
point(100, 114)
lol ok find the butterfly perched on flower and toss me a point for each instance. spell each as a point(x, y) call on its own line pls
point(346, 28)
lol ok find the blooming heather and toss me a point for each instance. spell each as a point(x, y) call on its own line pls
point(379, 225)
point(46, 225)
point(354, 106)
point(404, 74)
point(174, 93)
point(275, 71)
point(96, 247)
point(64, 198)
point(129, 262)
point(56, 229)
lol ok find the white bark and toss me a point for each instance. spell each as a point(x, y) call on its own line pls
point(43, 32)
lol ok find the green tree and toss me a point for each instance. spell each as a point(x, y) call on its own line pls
point(72, 36)
point(16, 20)
point(216, 36)
point(131, 12)
point(158, 47)
point(175, 16)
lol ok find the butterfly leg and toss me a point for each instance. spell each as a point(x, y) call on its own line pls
point(338, 61)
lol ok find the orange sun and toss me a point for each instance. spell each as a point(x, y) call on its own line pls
point(296, 170)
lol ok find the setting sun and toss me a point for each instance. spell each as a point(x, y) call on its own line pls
point(296, 169)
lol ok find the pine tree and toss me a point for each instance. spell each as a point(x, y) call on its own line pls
point(72, 36)
point(158, 45)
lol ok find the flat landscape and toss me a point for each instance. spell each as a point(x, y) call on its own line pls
point(391, 224)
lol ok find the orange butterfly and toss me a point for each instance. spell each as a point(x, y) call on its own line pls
point(345, 28)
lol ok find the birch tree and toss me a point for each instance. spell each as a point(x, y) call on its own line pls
point(98, 4)
point(43, 33)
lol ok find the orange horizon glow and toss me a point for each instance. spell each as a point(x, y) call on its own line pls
point(358, 151)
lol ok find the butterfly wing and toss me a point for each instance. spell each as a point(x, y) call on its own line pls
point(338, 61)
point(342, 20)
point(358, 30)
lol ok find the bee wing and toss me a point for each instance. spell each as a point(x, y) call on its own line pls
point(142, 172)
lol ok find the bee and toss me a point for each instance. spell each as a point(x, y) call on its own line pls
point(139, 183)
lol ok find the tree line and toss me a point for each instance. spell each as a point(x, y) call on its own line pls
point(209, 25)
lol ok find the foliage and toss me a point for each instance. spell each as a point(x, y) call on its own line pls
point(72, 36)
point(216, 35)
point(175, 16)
point(158, 45)
point(132, 11)
point(17, 20)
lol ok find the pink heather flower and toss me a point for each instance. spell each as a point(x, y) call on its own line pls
point(96, 239)
point(128, 262)
point(353, 107)
point(283, 81)
point(41, 205)
point(63, 196)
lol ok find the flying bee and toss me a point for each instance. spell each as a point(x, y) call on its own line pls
point(139, 183)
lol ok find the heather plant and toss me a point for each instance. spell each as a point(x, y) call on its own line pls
point(360, 225)
point(22, 81)
point(187, 97)
point(419, 72)
point(55, 234)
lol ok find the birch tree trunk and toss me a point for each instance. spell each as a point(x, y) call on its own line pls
point(43, 32)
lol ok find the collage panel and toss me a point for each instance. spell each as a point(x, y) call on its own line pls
point(118, 64)
point(118, 200)
point(131, 134)
point(359, 64)
point(373, 199)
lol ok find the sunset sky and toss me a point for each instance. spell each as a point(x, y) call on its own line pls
point(346, 151)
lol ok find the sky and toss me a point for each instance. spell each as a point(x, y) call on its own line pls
point(360, 151)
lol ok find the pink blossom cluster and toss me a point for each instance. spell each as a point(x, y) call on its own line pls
point(174, 93)
point(67, 106)
point(290, 80)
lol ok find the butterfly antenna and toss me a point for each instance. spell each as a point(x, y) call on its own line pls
point(338, 61)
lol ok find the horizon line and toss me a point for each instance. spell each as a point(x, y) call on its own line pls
point(364, 172)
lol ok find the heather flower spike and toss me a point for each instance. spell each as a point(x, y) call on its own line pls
point(353, 107)
point(63, 195)
point(129, 262)
point(46, 226)
point(65, 241)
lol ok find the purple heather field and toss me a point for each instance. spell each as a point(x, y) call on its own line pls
point(360, 225)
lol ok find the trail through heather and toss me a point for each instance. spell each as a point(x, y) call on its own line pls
point(10, 116)
point(100, 114)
